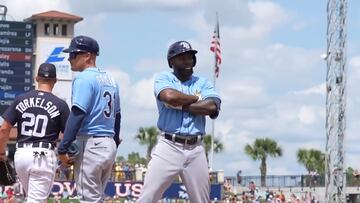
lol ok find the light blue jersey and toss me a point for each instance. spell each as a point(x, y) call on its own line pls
point(177, 121)
point(97, 94)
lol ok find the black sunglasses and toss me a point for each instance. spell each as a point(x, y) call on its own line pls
point(73, 55)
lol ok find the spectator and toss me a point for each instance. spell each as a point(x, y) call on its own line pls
point(10, 195)
point(118, 169)
point(313, 178)
point(238, 176)
point(282, 196)
point(3, 195)
point(252, 187)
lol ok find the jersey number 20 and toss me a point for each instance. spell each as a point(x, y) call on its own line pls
point(31, 127)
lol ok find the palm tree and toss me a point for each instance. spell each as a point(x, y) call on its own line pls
point(120, 159)
point(218, 146)
point(312, 159)
point(260, 150)
point(147, 136)
point(134, 158)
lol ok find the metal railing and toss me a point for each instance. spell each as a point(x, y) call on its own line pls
point(120, 175)
point(289, 181)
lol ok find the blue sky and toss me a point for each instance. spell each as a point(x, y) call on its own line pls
point(271, 81)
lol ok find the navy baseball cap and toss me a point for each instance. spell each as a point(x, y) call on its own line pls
point(47, 70)
point(83, 44)
point(178, 48)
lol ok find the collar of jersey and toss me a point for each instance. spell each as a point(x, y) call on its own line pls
point(188, 81)
point(92, 69)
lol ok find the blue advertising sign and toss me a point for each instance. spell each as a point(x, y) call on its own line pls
point(132, 189)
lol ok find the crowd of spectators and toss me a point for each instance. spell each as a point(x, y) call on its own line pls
point(253, 194)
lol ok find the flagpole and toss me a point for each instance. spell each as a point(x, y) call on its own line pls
point(213, 120)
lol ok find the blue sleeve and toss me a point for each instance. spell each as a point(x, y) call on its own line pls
point(217, 102)
point(64, 115)
point(72, 127)
point(82, 93)
point(117, 100)
point(162, 81)
point(117, 117)
point(207, 90)
point(117, 128)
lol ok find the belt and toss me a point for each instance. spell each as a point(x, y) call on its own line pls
point(45, 145)
point(101, 136)
point(190, 140)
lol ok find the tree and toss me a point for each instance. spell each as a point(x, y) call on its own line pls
point(134, 158)
point(312, 159)
point(120, 159)
point(147, 136)
point(352, 177)
point(218, 146)
point(260, 150)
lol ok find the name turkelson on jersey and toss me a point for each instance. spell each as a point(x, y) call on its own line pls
point(38, 102)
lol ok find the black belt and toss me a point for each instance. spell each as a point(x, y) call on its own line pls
point(101, 136)
point(190, 140)
point(45, 145)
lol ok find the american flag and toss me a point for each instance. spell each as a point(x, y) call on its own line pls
point(215, 47)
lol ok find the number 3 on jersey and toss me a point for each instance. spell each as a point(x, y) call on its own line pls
point(109, 108)
point(30, 126)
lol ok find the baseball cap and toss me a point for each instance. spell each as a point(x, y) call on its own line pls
point(83, 44)
point(47, 70)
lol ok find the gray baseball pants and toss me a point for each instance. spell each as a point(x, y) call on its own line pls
point(93, 166)
point(169, 159)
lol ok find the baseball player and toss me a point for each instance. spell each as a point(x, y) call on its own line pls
point(94, 121)
point(183, 101)
point(40, 116)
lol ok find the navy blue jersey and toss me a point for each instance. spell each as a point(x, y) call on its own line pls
point(40, 116)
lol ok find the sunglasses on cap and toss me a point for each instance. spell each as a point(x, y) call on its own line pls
point(73, 55)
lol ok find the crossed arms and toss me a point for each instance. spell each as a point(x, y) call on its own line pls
point(190, 103)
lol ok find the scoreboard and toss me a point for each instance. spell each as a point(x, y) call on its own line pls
point(16, 55)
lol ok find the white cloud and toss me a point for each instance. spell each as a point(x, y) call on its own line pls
point(21, 9)
point(243, 93)
point(142, 94)
point(318, 89)
point(230, 12)
point(122, 78)
point(139, 94)
point(130, 5)
point(306, 115)
point(268, 15)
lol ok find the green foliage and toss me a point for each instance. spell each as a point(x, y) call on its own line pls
point(120, 159)
point(312, 159)
point(134, 158)
point(260, 150)
point(147, 136)
point(218, 146)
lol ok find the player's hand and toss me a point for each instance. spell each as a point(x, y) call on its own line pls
point(66, 160)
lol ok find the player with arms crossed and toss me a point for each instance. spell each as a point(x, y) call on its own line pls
point(94, 121)
point(40, 116)
point(183, 101)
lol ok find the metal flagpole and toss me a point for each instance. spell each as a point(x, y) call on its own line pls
point(213, 130)
point(214, 82)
